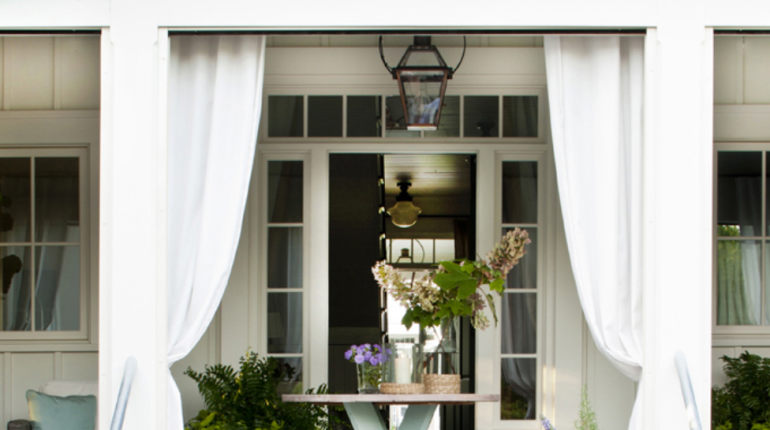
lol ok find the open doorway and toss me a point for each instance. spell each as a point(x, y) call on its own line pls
point(361, 232)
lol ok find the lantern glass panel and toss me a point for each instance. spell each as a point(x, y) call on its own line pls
point(422, 90)
point(395, 120)
point(449, 126)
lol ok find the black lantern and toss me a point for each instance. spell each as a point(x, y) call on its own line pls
point(422, 75)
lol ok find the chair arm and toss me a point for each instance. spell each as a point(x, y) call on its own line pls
point(19, 425)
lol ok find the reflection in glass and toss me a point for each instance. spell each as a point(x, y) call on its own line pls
point(364, 116)
point(519, 325)
point(15, 184)
point(449, 125)
point(16, 275)
point(57, 199)
point(524, 274)
point(57, 288)
point(284, 257)
point(518, 388)
point(284, 191)
point(738, 282)
point(481, 116)
point(395, 120)
point(519, 192)
point(324, 116)
point(284, 323)
point(739, 193)
point(445, 250)
point(519, 116)
point(422, 91)
point(284, 116)
point(291, 383)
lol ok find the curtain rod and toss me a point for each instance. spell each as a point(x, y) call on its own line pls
point(408, 32)
point(49, 32)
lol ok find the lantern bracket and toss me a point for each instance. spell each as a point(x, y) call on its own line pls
point(422, 43)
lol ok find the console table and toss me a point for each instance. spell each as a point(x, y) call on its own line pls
point(361, 408)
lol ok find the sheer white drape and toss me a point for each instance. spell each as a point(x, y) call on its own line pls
point(595, 92)
point(215, 98)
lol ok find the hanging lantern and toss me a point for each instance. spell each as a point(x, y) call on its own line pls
point(422, 76)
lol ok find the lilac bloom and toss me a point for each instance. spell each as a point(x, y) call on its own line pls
point(360, 349)
point(377, 347)
point(348, 354)
point(368, 346)
point(373, 361)
point(353, 347)
point(359, 359)
point(367, 355)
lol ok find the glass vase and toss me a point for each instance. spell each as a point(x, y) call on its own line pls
point(442, 357)
point(402, 372)
point(368, 377)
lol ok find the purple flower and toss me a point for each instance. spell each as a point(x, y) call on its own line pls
point(348, 354)
point(376, 347)
point(381, 357)
point(360, 349)
point(367, 355)
point(359, 359)
point(546, 424)
point(388, 351)
point(373, 361)
point(368, 346)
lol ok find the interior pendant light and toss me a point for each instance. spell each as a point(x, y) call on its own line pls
point(404, 213)
point(422, 76)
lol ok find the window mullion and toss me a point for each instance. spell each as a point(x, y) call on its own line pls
point(763, 199)
point(33, 257)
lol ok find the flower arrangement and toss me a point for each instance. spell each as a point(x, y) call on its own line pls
point(455, 288)
point(369, 359)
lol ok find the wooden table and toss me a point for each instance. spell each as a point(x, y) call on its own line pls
point(361, 408)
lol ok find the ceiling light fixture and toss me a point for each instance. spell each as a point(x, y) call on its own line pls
point(422, 76)
point(404, 213)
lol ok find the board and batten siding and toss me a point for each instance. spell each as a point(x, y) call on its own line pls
point(46, 73)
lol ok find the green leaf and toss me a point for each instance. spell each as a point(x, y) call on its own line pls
point(407, 320)
point(498, 285)
point(467, 268)
point(467, 289)
point(491, 303)
point(451, 267)
point(449, 281)
point(208, 419)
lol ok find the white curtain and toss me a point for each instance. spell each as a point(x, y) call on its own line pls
point(595, 92)
point(215, 97)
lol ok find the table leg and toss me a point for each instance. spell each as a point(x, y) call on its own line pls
point(417, 417)
point(365, 416)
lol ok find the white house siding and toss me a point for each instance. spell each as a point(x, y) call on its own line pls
point(44, 73)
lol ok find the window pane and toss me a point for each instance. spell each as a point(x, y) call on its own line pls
point(284, 257)
point(449, 122)
point(15, 310)
point(519, 192)
point(481, 116)
point(284, 184)
point(15, 185)
point(738, 282)
point(420, 251)
point(520, 116)
point(284, 323)
point(284, 116)
point(291, 383)
point(324, 116)
point(57, 200)
point(518, 389)
point(524, 274)
point(395, 121)
point(519, 325)
point(364, 116)
point(57, 288)
point(739, 193)
point(445, 249)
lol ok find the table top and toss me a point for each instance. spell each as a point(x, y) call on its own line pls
point(392, 399)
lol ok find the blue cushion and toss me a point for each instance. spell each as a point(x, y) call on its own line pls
point(61, 413)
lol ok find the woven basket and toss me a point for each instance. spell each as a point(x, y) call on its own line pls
point(391, 388)
point(441, 384)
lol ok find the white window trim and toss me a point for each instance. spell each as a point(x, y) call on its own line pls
point(259, 306)
point(63, 133)
point(723, 335)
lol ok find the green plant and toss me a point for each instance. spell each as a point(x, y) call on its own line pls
point(248, 399)
point(587, 420)
point(744, 402)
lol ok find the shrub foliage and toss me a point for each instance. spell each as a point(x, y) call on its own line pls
point(744, 402)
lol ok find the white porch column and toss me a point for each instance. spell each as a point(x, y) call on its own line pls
point(678, 223)
point(132, 254)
